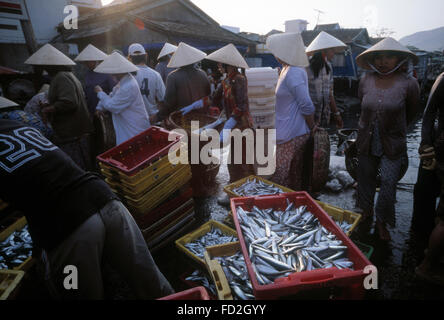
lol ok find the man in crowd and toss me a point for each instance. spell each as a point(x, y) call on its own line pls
point(150, 82)
point(74, 218)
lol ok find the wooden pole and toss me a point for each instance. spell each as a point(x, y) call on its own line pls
point(28, 32)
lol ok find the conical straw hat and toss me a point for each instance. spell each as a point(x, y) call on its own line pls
point(167, 49)
point(91, 53)
point(6, 103)
point(388, 44)
point(49, 56)
point(229, 55)
point(325, 41)
point(116, 64)
point(288, 47)
point(186, 55)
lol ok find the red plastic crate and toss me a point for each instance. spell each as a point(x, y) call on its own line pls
point(180, 197)
point(308, 280)
point(141, 150)
point(198, 293)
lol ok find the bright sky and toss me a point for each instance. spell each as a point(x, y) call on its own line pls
point(404, 17)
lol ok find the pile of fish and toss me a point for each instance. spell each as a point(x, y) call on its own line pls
point(256, 187)
point(284, 242)
point(235, 270)
point(15, 249)
point(344, 225)
point(213, 238)
point(202, 279)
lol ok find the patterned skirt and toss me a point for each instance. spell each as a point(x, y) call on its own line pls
point(289, 163)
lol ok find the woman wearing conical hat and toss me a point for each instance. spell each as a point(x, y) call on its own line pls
point(320, 78)
point(125, 101)
point(164, 58)
point(67, 110)
point(389, 103)
point(294, 109)
point(91, 57)
point(185, 85)
point(233, 95)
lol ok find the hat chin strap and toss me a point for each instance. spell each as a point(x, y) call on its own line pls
point(387, 73)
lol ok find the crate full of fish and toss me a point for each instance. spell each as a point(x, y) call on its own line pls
point(209, 234)
point(346, 220)
point(199, 278)
point(227, 267)
point(290, 244)
point(10, 281)
point(16, 247)
point(140, 151)
point(254, 186)
point(197, 293)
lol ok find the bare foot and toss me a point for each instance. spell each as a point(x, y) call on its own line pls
point(384, 234)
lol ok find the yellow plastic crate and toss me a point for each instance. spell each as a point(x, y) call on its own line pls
point(340, 215)
point(160, 193)
point(139, 190)
point(215, 269)
point(18, 225)
point(145, 181)
point(201, 231)
point(229, 188)
point(115, 174)
point(9, 283)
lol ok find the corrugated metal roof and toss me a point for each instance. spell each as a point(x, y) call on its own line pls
point(94, 30)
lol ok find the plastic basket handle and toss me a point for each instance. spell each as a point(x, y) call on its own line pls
point(116, 163)
point(220, 280)
point(311, 279)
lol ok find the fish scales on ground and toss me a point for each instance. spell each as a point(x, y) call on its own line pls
point(15, 249)
point(213, 238)
point(257, 187)
point(290, 241)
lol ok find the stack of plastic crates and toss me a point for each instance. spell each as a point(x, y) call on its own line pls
point(155, 190)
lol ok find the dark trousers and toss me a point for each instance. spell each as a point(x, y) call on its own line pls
point(426, 191)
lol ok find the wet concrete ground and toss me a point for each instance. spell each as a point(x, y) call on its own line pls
point(396, 261)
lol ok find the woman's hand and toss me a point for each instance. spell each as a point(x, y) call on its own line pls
point(98, 89)
point(339, 122)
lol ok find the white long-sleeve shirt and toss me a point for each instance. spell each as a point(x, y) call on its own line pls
point(293, 102)
point(152, 88)
point(127, 107)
